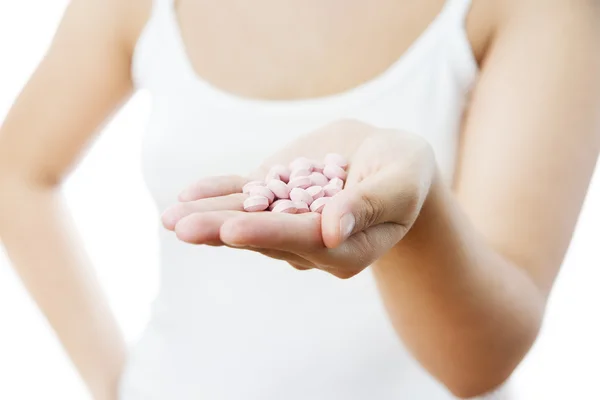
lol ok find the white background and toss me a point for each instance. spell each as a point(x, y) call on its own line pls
point(118, 223)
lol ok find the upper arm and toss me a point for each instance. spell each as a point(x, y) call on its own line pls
point(81, 80)
point(532, 134)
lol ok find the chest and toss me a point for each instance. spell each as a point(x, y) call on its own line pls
point(298, 49)
point(212, 116)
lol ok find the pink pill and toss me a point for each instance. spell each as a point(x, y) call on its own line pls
point(285, 206)
point(336, 159)
point(270, 176)
point(301, 163)
point(262, 191)
point(300, 182)
point(331, 190)
point(301, 207)
point(320, 203)
point(337, 182)
point(279, 172)
point(251, 184)
point(274, 204)
point(279, 189)
point(256, 203)
point(298, 194)
point(318, 179)
point(317, 166)
point(333, 171)
point(299, 172)
point(315, 192)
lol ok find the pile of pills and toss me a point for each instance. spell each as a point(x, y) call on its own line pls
point(305, 185)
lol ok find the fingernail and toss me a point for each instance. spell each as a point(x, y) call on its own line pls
point(169, 218)
point(185, 195)
point(347, 225)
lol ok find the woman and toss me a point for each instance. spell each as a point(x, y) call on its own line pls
point(471, 132)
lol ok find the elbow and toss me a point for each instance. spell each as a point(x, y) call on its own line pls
point(14, 178)
point(486, 369)
point(17, 178)
point(18, 189)
point(483, 382)
point(475, 389)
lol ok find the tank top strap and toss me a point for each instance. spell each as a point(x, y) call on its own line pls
point(457, 8)
point(161, 7)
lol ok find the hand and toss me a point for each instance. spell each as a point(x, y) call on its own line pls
point(389, 177)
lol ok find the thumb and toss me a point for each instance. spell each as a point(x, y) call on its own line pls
point(380, 198)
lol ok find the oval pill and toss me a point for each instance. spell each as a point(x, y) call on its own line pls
point(256, 203)
point(317, 166)
point(298, 194)
point(334, 171)
point(318, 179)
point(271, 175)
point(301, 207)
point(249, 185)
point(320, 203)
point(280, 170)
point(337, 182)
point(331, 190)
point(315, 192)
point(279, 188)
point(262, 191)
point(299, 172)
point(301, 163)
point(300, 182)
point(285, 206)
point(336, 159)
point(274, 204)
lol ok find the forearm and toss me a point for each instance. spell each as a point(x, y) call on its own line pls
point(468, 314)
point(41, 243)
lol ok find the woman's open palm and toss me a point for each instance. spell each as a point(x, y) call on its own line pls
point(389, 175)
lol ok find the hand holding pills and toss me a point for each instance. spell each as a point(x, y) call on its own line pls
point(336, 199)
point(305, 185)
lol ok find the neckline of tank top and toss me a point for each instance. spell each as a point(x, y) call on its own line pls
point(343, 101)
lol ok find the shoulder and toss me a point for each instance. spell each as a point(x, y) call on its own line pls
point(120, 22)
point(489, 21)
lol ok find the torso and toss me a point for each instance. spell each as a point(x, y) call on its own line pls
point(269, 49)
point(231, 84)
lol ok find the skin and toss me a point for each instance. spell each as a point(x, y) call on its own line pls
point(467, 284)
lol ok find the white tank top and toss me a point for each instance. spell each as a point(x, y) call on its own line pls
point(233, 325)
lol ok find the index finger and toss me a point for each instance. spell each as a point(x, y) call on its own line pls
point(214, 186)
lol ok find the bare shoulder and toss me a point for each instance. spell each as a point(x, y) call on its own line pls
point(487, 20)
point(516, 8)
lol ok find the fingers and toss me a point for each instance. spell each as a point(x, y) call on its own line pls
point(364, 248)
point(203, 228)
point(260, 230)
point(359, 251)
point(386, 197)
point(292, 238)
point(213, 187)
point(171, 216)
point(287, 232)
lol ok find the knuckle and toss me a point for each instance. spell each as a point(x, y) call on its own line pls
point(372, 211)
